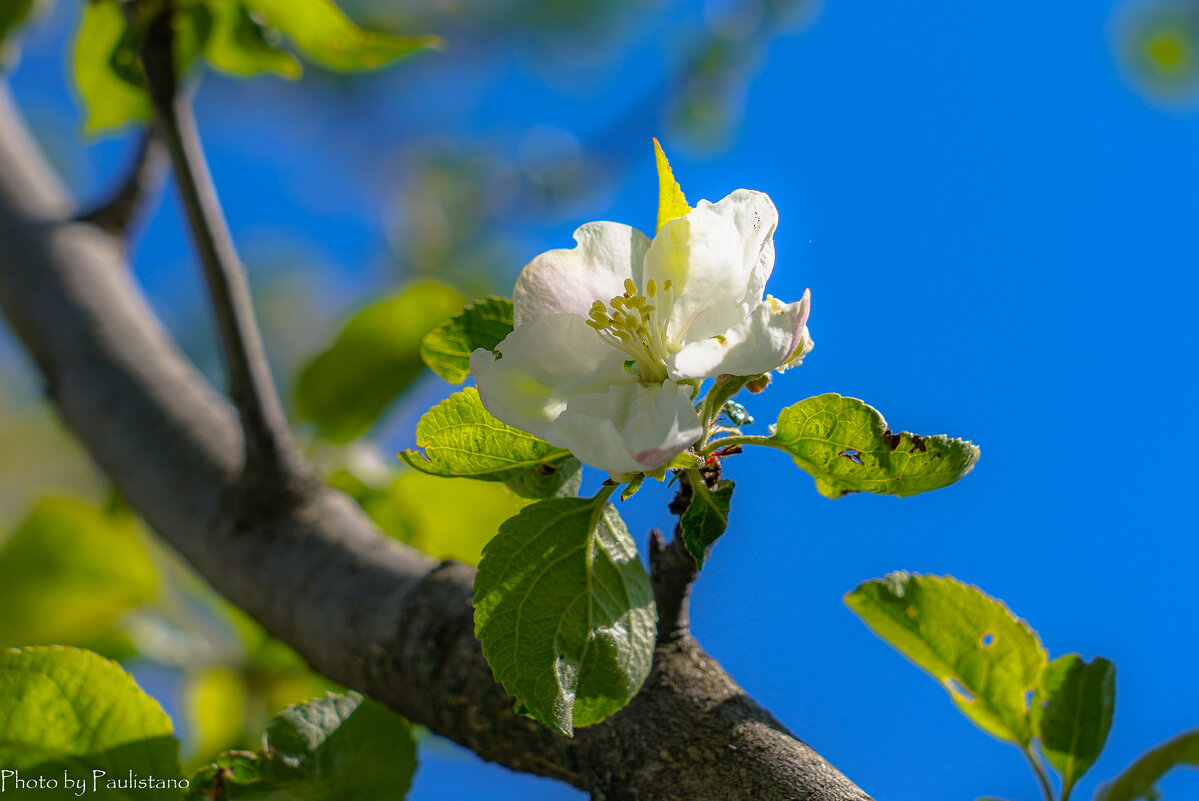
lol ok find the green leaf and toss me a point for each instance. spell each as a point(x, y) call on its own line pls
point(560, 479)
point(1072, 713)
point(107, 61)
point(109, 100)
point(846, 446)
point(672, 203)
point(333, 748)
point(324, 34)
point(462, 440)
point(239, 45)
point(1140, 779)
point(345, 388)
point(706, 517)
point(72, 570)
point(565, 611)
point(70, 710)
point(482, 324)
point(988, 660)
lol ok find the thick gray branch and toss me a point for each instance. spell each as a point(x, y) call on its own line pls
point(362, 609)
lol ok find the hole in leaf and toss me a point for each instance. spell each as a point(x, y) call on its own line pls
point(988, 639)
point(956, 687)
point(852, 455)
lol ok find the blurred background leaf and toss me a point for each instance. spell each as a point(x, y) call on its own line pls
point(72, 570)
point(376, 356)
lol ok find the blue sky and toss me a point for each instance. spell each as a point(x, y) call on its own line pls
point(999, 234)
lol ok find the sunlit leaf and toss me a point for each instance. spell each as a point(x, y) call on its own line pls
point(329, 749)
point(846, 446)
point(241, 46)
point(376, 356)
point(1140, 779)
point(461, 439)
point(1072, 714)
point(482, 324)
point(68, 572)
point(109, 101)
point(706, 518)
point(107, 60)
point(324, 34)
point(672, 203)
point(66, 710)
point(987, 659)
point(565, 611)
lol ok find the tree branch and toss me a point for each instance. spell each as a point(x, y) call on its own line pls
point(146, 175)
point(270, 453)
point(364, 610)
point(672, 570)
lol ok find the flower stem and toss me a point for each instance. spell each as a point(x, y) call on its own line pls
point(743, 439)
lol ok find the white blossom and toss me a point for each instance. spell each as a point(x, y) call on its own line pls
point(613, 337)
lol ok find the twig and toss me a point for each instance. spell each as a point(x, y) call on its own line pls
point(672, 571)
point(117, 214)
point(270, 454)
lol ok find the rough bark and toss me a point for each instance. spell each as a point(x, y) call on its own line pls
point(302, 559)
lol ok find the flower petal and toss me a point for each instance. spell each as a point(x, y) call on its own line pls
point(628, 429)
point(571, 280)
point(796, 359)
point(543, 364)
point(717, 258)
point(769, 337)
